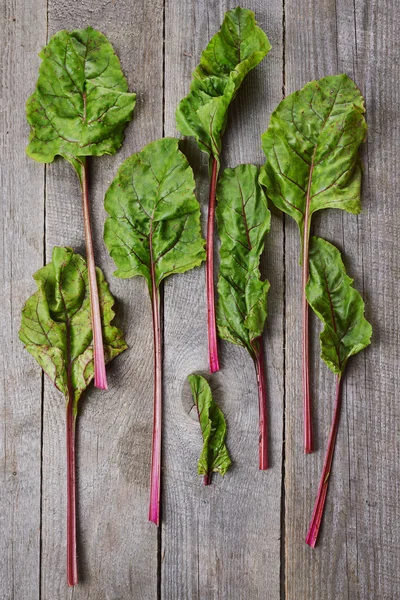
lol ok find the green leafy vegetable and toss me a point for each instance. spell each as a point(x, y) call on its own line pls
point(313, 163)
point(214, 457)
point(243, 221)
point(56, 329)
point(154, 231)
point(338, 305)
point(236, 49)
point(346, 332)
point(79, 108)
point(81, 103)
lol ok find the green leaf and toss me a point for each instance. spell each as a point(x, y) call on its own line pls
point(81, 102)
point(311, 147)
point(243, 221)
point(154, 222)
point(338, 305)
point(56, 323)
point(236, 49)
point(214, 457)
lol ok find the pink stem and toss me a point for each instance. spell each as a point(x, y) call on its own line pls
point(212, 327)
point(262, 406)
point(315, 524)
point(155, 477)
point(308, 438)
point(72, 565)
point(100, 378)
point(207, 479)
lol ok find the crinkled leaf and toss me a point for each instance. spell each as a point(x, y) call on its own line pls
point(338, 305)
point(214, 456)
point(56, 323)
point(154, 218)
point(311, 147)
point(243, 220)
point(236, 49)
point(81, 102)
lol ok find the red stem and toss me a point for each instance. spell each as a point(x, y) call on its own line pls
point(308, 438)
point(100, 379)
point(155, 476)
point(72, 565)
point(315, 524)
point(212, 327)
point(262, 406)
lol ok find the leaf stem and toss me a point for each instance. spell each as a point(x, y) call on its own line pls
point(100, 378)
point(207, 479)
point(308, 437)
point(262, 405)
point(72, 565)
point(211, 320)
point(155, 476)
point(316, 519)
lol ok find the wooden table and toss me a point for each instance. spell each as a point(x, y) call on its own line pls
point(243, 537)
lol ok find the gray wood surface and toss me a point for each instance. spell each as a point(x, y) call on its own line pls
point(243, 537)
point(23, 31)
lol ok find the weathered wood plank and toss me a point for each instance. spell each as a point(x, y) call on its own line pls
point(117, 545)
point(222, 541)
point(374, 438)
point(23, 27)
point(352, 560)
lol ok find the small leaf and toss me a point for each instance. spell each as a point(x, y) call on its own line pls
point(154, 221)
point(81, 102)
point(338, 305)
point(236, 49)
point(56, 323)
point(214, 456)
point(243, 221)
point(311, 147)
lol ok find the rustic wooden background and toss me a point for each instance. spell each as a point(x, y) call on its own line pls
point(243, 537)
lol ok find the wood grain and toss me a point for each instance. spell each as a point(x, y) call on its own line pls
point(117, 547)
point(23, 27)
point(221, 541)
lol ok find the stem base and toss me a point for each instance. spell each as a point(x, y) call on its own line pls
point(312, 534)
point(262, 405)
point(72, 563)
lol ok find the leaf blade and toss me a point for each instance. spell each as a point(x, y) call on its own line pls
point(232, 52)
point(243, 220)
point(311, 147)
point(154, 217)
point(56, 323)
point(214, 457)
point(338, 305)
point(81, 103)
